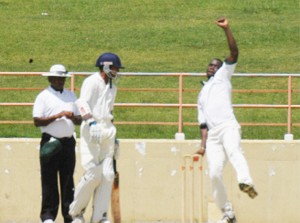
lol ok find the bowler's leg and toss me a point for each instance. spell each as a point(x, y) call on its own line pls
point(232, 139)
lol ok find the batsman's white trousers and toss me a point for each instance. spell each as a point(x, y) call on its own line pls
point(93, 183)
point(223, 143)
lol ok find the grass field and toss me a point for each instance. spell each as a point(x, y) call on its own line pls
point(152, 36)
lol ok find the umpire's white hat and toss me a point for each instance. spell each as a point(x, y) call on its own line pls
point(57, 70)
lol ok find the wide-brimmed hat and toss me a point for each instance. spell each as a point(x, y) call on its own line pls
point(57, 70)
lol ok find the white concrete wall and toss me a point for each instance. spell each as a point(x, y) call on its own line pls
point(151, 181)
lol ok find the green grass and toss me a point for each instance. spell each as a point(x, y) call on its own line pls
point(152, 36)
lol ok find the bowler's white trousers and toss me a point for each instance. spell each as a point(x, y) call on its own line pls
point(223, 143)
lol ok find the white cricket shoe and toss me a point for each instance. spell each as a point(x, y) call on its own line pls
point(104, 220)
point(78, 219)
point(229, 216)
point(48, 221)
point(228, 219)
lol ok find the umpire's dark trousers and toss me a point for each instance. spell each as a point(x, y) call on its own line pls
point(60, 165)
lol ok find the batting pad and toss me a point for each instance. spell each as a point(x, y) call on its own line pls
point(84, 190)
point(101, 200)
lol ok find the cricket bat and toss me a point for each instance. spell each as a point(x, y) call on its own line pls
point(115, 197)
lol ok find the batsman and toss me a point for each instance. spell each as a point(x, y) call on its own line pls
point(97, 141)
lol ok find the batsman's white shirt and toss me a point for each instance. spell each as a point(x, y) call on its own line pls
point(50, 102)
point(100, 97)
point(214, 100)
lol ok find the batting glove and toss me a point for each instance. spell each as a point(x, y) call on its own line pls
point(108, 170)
point(95, 132)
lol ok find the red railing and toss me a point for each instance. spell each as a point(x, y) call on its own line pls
point(180, 105)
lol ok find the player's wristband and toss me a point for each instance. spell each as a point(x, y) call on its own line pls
point(91, 122)
point(203, 126)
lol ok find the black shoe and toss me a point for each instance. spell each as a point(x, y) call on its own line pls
point(248, 189)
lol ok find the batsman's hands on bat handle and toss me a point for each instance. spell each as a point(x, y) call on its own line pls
point(108, 170)
point(222, 22)
point(95, 132)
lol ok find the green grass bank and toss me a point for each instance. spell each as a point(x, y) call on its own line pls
point(152, 36)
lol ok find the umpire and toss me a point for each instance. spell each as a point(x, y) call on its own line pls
point(54, 112)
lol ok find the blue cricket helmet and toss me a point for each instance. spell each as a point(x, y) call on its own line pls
point(110, 58)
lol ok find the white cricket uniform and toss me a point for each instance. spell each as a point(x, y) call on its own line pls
point(100, 97)
point(50, 102)
point(223, 141)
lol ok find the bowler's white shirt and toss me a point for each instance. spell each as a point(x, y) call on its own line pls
point(214, 100)
point(50, 102)
point(99, 96)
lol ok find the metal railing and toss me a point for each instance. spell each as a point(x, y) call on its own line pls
point(180, 105)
